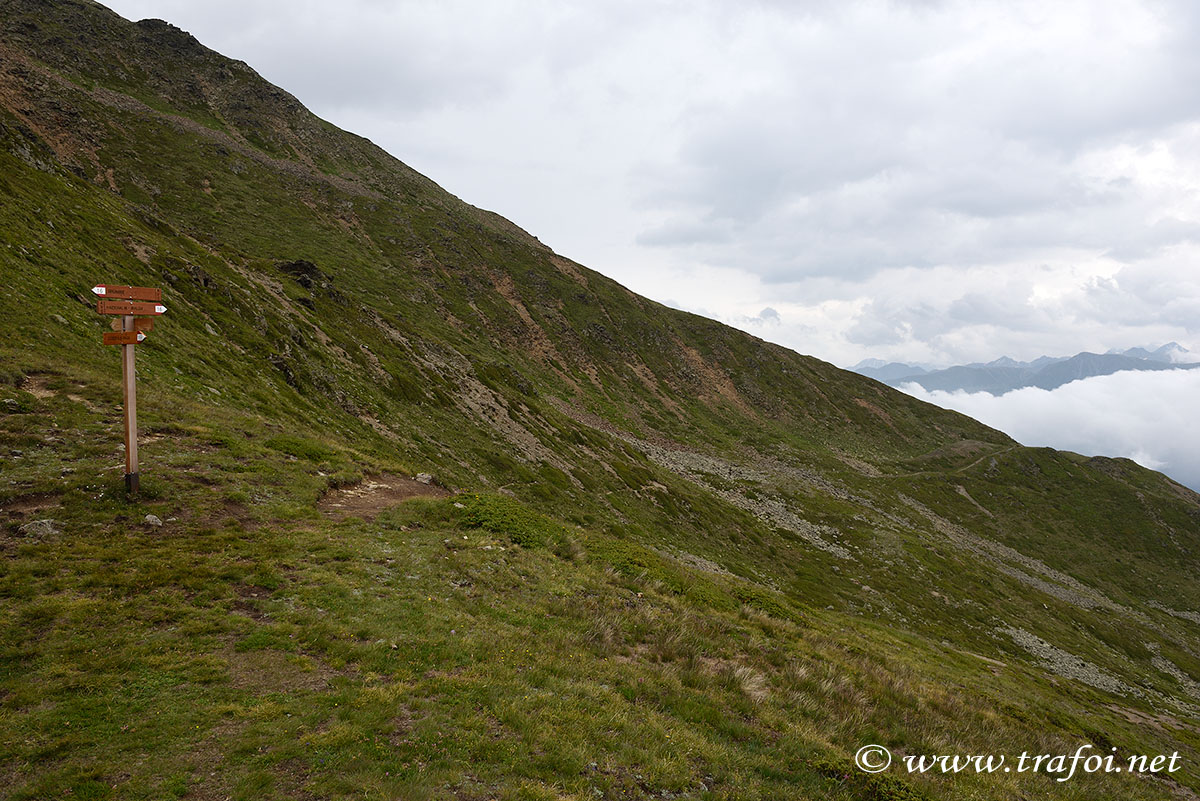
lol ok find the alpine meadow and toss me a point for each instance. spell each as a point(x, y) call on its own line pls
point(429, 511)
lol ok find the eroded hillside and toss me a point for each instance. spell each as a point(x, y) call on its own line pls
point(665, 530)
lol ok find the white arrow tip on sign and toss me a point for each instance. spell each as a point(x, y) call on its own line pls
point(140, 336)
point(160, 309)
point(99, 290)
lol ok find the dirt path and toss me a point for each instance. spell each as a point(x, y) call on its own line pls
point(957, 470)
point(371, 496)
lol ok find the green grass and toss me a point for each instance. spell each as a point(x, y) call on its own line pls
point(678, 559)
point(510, 518)
point(255, 648)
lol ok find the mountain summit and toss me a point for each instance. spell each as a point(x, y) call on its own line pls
point(431, 511)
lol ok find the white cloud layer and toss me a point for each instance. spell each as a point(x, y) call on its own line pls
point(1149, 417)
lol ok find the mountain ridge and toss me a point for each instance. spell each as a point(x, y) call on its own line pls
point(739, 563)
point(1006, 374)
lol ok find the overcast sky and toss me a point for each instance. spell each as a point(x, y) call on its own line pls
point(930, 180)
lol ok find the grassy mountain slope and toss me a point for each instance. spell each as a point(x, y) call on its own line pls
point(671, 560)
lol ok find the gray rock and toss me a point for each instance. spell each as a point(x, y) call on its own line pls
point(424, 478)
point(153, 520)
point(38, 529)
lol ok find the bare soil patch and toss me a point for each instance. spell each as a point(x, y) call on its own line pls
point(25, 506)
point(372, 495)
point(37, 386)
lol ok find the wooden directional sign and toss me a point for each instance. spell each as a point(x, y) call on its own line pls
point(123, 337)
point(138, 306)
point(120, 292)
point(129, 307)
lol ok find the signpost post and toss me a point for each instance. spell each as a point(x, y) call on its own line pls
point(131, 303)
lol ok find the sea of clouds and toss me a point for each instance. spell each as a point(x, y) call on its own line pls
point(1150, 417)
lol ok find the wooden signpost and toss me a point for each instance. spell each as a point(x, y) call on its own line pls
point(128, 307)
point(131, 302)
point(123, 338)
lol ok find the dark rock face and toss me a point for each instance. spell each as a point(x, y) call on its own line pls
point(161, 32)
point(305, 272)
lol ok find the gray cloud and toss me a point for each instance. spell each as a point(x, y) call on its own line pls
point(766, 317)
point(892, 138)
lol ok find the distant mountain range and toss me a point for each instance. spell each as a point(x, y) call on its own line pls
point(1047, 372)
